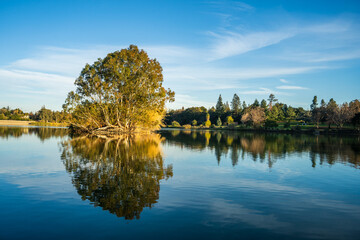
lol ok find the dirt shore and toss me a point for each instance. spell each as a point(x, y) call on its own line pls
point(15, 123)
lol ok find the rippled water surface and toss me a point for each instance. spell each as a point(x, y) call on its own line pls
point(178, 185)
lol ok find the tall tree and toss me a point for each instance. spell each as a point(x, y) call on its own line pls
point(236, 104)
point(314, 103)
point(263, 104)
point(272, 100)
point(244, 106)
point(220, 107)
point(256, 103)
point(331, 112)
point(121, 93)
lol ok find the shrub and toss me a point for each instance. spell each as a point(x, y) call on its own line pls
point(218, 122)
point(187, 126)
point(175, 124)
point(229, 120)
point(207, 123)
point(194, 122)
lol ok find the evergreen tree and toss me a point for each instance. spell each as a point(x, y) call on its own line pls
point(235, 104)
point(256, 103)
point(263, 104)
point(220, 107)
point(244, 106)
point(314, 104)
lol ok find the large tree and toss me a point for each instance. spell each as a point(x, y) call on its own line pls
point(236, 104)
point(121, 93)
point(272, 100)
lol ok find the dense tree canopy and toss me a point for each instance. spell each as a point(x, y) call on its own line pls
point(122, 92)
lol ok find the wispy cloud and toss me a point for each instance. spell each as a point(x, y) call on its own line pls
point(284, 80)
point(289, 87)
point(262, 91)
point(231, 43)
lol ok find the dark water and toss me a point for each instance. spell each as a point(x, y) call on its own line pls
point(178, 185)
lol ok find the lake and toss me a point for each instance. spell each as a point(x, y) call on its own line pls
point(178, 185)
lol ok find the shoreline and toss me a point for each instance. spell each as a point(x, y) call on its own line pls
point(15, 123)
point(322, 131)
point(19, 123)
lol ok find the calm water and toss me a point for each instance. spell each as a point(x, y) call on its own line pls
point(178, 185)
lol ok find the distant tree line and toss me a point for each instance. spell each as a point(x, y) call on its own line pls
point(13, 114)
point(43, 115)
point(266, 113)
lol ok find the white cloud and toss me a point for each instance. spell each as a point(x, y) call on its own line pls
point(261, 91)
point(284, 80)
point(288, 87)
point(230, 43)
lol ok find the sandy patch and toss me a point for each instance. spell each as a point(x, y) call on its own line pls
point(15, 123)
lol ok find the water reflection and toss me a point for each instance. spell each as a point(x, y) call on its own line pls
point(268, 148)
point(122, 176)
point(42, 133)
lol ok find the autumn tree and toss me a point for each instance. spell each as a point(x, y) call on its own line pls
point(207, 122)
point(229, 120)
point(121, 93)
point(255, 116)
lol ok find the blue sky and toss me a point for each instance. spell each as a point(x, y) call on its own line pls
point(294, 49)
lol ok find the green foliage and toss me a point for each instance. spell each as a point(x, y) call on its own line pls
point(186, 116)
point(187, 126)
point(123, 91)
point(256, 103)
point(271, 124)
point(263, 104)
point(287, 124)
point(356, 120)
point(290, 113)
point(194, 122)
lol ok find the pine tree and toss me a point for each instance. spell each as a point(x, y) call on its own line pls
point(220, 107)
point(236, 104)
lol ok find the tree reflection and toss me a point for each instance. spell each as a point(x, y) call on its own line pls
point(122, 176)
point(269, 148)
point(42, 133)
